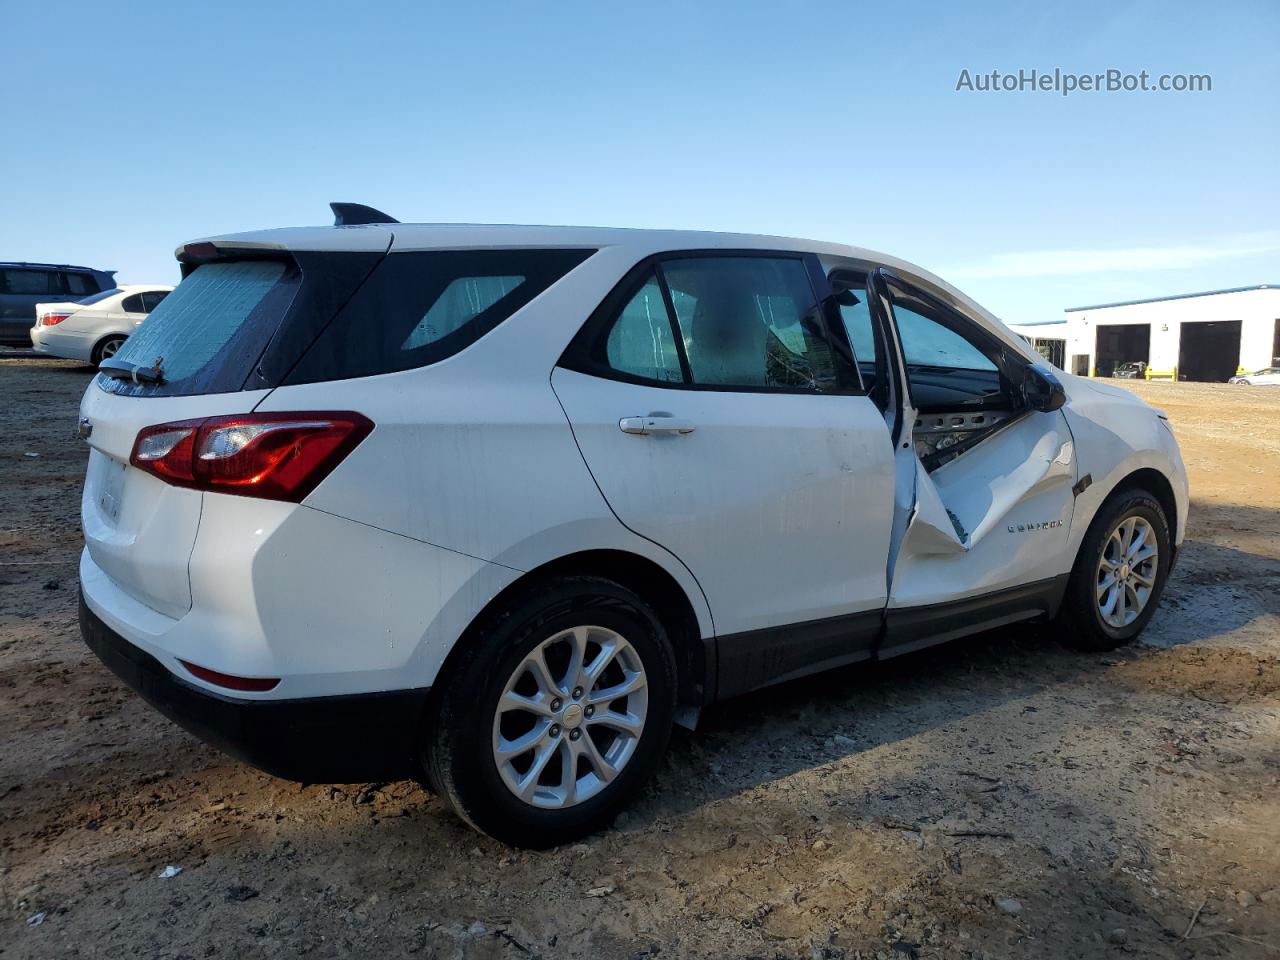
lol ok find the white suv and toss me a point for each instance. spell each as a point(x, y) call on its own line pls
point(496, 505)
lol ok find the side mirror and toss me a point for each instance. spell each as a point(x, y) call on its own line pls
point(1042, 389)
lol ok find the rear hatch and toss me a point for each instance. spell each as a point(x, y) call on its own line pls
point(221, 341)
point(140, 530)
point(248, 317)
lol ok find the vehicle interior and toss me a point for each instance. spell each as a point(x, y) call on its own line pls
point(956, 376)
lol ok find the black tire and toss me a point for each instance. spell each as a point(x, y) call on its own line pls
point(459, 757)
point(101, 348)
point(1080, 623)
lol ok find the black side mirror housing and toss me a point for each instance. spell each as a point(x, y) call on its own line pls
point(1042, 389)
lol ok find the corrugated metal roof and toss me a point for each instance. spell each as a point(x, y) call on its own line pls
point(1176, 296)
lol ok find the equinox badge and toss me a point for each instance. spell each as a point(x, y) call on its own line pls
point(1030, 527)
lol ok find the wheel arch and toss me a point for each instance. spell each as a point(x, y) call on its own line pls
point(695, 657)
point(1157, 484)
point(97, 344)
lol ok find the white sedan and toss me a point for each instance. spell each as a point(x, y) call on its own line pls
point(495, 506)
point(94, 328)
point(1266, 377)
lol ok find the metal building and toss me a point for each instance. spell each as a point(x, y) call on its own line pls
point(1206, 336)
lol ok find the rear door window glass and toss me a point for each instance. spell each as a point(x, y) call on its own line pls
point(133, 304)
point(752, 322)
point(640, 342)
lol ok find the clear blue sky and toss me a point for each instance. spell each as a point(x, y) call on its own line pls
point(130, 128)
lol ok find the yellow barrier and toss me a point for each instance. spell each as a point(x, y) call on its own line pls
point(1154, 374)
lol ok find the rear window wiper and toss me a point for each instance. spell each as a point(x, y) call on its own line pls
point(124, 370)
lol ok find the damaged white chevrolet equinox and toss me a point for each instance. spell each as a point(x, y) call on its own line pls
point(495, 506)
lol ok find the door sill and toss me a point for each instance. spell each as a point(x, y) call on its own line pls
point(754, 659)
point(913, 628)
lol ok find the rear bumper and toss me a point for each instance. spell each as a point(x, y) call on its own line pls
point(49, 340)
point(353, 738)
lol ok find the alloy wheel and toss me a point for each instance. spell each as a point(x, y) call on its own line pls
point(1126, 574)
point(570, 717)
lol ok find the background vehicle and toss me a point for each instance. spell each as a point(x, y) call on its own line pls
point(1267, 376)
point(1130, 371)
point(23, 285)
point(96, 327)
point(496, 506)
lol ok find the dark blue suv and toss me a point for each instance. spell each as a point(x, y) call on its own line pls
point(23, 285)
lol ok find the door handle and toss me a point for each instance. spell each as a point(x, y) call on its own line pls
point(654, 424)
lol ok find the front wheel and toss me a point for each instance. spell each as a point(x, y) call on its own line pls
point(1119, 573)
point(557, 714)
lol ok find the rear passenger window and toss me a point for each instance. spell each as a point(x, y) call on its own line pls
point(753, 322)
point(80, 284)
point(641, 342)
point(133, 304)
point(152, 300)
point(719, 322)
point(41, 282)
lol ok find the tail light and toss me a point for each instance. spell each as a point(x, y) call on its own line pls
point(51, 319)
point(276, 456)
point(230, 681)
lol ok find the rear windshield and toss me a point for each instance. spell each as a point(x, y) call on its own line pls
point(251, 324)
point(99, 296)
point(206, 335)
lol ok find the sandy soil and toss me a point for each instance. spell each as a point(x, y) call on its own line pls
point(1000, 797)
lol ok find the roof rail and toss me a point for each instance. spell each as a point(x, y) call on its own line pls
point(354, 214)
point(50, 266)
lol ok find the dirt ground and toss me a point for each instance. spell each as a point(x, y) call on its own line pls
point(999, 797)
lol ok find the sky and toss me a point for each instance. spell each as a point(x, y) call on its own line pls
point(131, 128)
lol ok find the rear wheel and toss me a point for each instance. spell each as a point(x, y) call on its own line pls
point(1119, 573)
point(106, 349)
point(557, 715)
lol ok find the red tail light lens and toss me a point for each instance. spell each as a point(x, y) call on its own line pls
point(52, 319)
point(257, 684)
point(277, 456)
